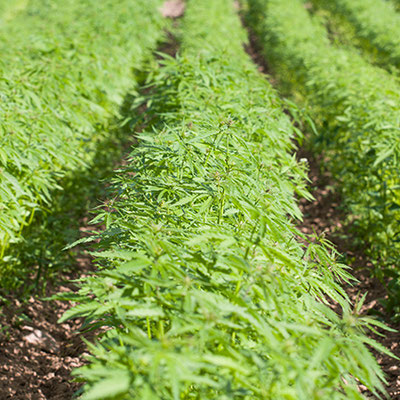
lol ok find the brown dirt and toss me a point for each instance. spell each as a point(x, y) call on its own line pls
point(36, 353)
point(325, 217)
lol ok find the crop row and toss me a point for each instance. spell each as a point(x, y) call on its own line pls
point(357, 109)
point(206, 288)
point(65, 68)
point(375, 21)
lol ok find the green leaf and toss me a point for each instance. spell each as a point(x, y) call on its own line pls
point(109, 387)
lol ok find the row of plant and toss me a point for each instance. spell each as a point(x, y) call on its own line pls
point(376, 23)
point(205, 289)
point(343, 33)
point(66, 67)
point(356, 107)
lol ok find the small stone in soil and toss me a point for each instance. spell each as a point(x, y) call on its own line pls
point(43, 340)
point(173, 9)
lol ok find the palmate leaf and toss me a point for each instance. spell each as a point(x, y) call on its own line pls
point(79, 311)
point(378, 346)
point(80, 241)
point(148, 312)
point(109, 387)
point(371, 321)
point(383, 155)
point(125, 255)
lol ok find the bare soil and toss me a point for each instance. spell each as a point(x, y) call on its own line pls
point(37, 354)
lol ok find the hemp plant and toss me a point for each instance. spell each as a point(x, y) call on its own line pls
point(205, 289)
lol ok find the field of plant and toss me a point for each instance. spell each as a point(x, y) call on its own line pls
point(65, 72)
point(202, 284)
point(356, 107)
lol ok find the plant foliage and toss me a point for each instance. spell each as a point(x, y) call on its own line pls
point(65, 69)
point(205, 289)
point(375, 21)
point(357, 108)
